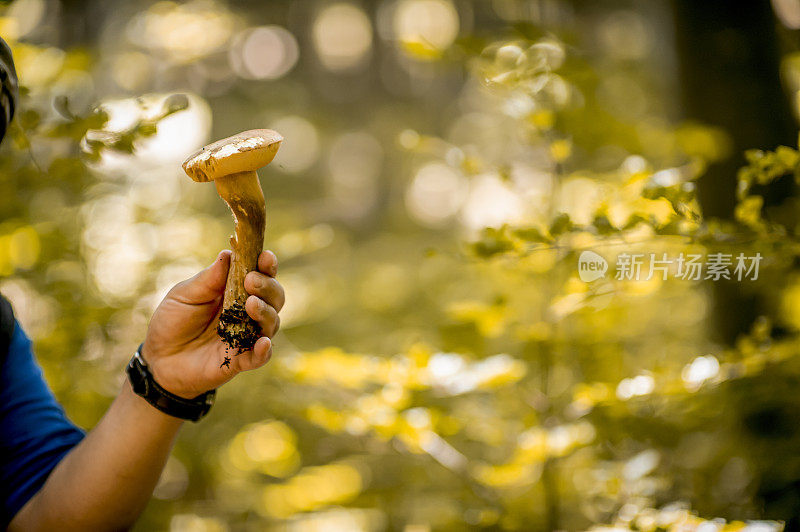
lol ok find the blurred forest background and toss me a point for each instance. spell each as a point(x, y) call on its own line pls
point(440, 364)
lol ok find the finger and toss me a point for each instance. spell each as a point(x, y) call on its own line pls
point(268, 263)
point(266, 288)
point(265, 315)
point(255, 358)
point(207, 285)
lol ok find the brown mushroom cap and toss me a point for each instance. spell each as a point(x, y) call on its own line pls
point(245, 152)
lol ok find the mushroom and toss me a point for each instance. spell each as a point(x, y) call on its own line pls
point(232, 163)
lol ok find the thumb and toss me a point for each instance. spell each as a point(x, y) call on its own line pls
point(208, 284)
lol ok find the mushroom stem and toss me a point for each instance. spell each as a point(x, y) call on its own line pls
point(232, 163)
point(242, 192)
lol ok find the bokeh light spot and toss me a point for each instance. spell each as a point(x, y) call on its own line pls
point(26, 16)
point(182, 32)
point(436, 194)
point(431, 24)
point(491, 203)
point(355, 162)
point(131, 70)
point(300, 149)
point(267, 52)
point(342, 36)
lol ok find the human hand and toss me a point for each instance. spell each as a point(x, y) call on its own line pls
point(182, 348)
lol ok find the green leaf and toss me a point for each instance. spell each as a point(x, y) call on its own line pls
point(561, 224)
point(492, 242)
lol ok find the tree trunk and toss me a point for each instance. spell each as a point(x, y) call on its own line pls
point(729, 61)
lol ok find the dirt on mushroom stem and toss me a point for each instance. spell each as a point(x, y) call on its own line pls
point(237, 329)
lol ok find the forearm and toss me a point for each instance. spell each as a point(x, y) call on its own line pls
point(106, 481)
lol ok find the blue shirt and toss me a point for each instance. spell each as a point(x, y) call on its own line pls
point(35, 434)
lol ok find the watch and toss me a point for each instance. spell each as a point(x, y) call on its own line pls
point(145, 385)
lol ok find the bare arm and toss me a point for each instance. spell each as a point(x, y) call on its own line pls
point(105, 482)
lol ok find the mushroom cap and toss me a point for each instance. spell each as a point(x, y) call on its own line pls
point(244, 152)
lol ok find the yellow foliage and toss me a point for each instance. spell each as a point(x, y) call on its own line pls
point(539, 331)
point(419, 49)
point(790, 304)
point(329, 419)
point(490, 320)
point(505, 476)
point(269, 448)
point(312, 488)
point(24, 248)
point(560, 150)
point(543, 119)
point(708, 143)
point(748, 211)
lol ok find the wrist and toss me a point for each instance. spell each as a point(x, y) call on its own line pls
point(156, 367)
point(144, 384)
point(134, 403)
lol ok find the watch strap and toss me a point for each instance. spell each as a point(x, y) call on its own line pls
point(145, 385)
